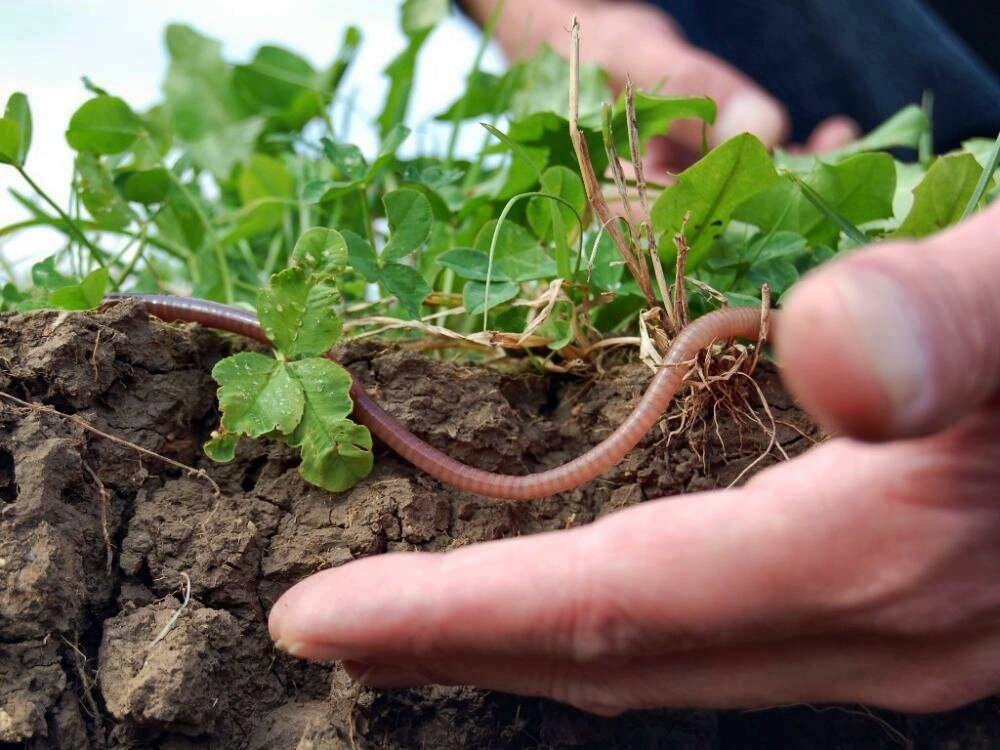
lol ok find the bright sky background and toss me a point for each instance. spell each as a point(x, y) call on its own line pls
point(47, 45)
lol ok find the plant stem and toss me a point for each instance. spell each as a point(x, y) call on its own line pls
point(96, 252)
point(854, 234)
point(925, 146)
point(65, 226)
point(116, 285)
point(984, 179)
point(496, 238)
point(366, 215)
point(217, 251)
point(456, 123)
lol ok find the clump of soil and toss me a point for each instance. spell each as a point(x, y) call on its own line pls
point(134, 596)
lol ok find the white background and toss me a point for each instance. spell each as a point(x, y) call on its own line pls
point(47, 45)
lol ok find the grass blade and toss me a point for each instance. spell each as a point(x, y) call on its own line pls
point(852, 232)
point(984, 180)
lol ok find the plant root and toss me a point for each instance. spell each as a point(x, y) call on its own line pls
point(105, 502)
point(165, 630)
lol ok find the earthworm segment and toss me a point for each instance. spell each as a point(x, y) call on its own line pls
point(727, 323)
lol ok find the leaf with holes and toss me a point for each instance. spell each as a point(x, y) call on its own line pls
point(257, 395)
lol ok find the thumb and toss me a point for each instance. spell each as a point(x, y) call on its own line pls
point(898, 340)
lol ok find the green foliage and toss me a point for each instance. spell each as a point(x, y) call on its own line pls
point(300, 397)
point(145, 186)
point(86, 295)
point(418, 19)
point(859, 188)
point(708, 193)
point(103, 125)
point(560, 182)
point(239, 178)
point(15, 130)
point(941, 197)
point(257, 395)
point(50, 288)
point(905, 129)
point(97, 190)
point(200, 96)
point(655, 115)
point(410, 218)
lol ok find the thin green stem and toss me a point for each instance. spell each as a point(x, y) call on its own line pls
point(366, 215)
point(271, 260)
point(288, 231)
point(66, 227)
point(217, 250)
point(246, 252)
point(984, 179)
point(476, 168)
point(854, 234)
point(925, 146)
point(459, 118)
point(305, 213)
point(116, 285)
point(472, 175)
point(496, 238)
point(96, 252)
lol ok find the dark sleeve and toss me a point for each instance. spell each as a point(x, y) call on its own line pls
point(862, 58)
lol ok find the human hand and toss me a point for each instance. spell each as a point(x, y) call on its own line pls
point(859, 572)
point(635, 39)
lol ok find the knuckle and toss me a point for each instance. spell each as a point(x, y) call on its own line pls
point(600, 623)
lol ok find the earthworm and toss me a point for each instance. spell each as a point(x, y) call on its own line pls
point(731, 322)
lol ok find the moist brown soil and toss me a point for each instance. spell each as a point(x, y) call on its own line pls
point(97, 542)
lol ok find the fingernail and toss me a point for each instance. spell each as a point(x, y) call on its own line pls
point(749, 112)
point(891, 336)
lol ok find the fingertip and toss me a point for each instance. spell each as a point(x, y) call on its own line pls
point(897, 340)
point(336, 613)
point(833, 133)
point(749, 110)
point(825, 363)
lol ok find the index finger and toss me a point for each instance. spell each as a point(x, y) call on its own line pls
point(703, 569)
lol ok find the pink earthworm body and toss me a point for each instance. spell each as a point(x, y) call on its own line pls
point(731, 322)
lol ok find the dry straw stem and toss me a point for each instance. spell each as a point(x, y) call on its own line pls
point(176, 615)
point(595, 194)
point(765, 327)
point(680, 314)
point(646, 227)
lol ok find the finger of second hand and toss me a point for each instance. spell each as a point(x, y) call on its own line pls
point(681, 573)
point(833, 133)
